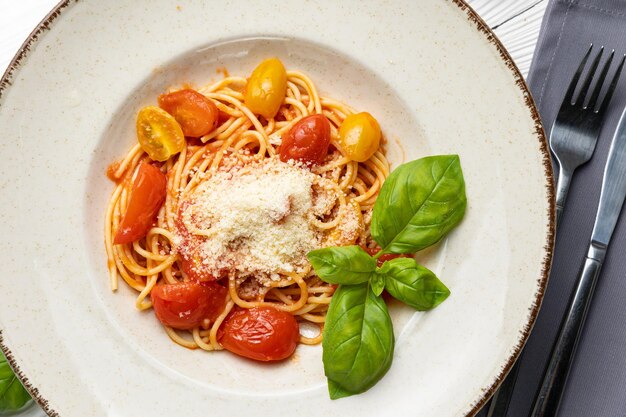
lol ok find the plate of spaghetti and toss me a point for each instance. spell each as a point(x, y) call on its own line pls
point(268, 209)
point(237, 209)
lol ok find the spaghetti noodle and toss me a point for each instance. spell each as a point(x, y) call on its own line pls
point(343, 194)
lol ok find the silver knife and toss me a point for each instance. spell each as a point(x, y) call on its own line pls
point(548, 396)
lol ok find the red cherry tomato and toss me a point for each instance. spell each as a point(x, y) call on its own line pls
point(387, 256)
point(261, 333)
point(196, 113)
point(195, 270)
point(191, 252)
point(307, 140)
point(185, 305)
point(146, 198)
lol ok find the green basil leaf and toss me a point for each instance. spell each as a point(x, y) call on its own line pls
point(342, 264)
point(358, 340)
point(413, 284)
point(378, 284)
point(13, 396)
point(418, 204)
point(336, 391)
point(5, 369)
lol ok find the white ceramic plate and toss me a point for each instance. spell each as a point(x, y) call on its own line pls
point(431, 72)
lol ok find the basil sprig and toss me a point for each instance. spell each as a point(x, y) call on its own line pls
point(413, 284)
point(358, 341)
point(342, 264)
point(13, 396)
point(418, 204)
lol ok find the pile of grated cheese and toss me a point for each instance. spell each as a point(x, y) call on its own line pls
point(253, 219)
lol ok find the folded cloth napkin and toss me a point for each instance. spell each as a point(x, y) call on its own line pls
point(596, 385)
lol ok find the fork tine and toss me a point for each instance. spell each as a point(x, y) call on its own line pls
point(569, 95)
point(592, 71)
point(600, 82)
point(609, 92)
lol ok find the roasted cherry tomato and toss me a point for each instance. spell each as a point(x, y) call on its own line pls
point(190, 250)
point(359, 136)
point(307, 140)
point(196, 114)
point(261, 333)
point(185, 305)
point(159, 134)
point(387, 256)
point(195, 270)
point(266, 88)
point(146, 198)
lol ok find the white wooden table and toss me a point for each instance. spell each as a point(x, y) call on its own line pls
point(516, 22)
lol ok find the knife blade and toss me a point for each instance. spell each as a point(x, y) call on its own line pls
point(548, 397)
point(613, 190)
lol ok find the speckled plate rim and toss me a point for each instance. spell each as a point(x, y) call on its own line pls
point(481, 26)
point(5, 84)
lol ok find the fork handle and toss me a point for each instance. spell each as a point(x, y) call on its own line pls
point(562, 188)
point(548, 396)
point(559, 214)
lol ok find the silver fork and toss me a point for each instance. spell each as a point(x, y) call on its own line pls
point(577, 125)
point(573, 140)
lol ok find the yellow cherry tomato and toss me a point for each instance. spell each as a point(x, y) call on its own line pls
point(359, 136)
point(159, 134)
point(266, 88)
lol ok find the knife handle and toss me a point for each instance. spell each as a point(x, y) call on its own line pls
point(548, 396)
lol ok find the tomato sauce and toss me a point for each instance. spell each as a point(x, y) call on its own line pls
point(223, 71)
point(111, 172)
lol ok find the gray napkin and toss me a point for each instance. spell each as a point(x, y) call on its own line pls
point(597, 382)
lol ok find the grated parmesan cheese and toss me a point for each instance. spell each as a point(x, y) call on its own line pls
point(254, 219)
